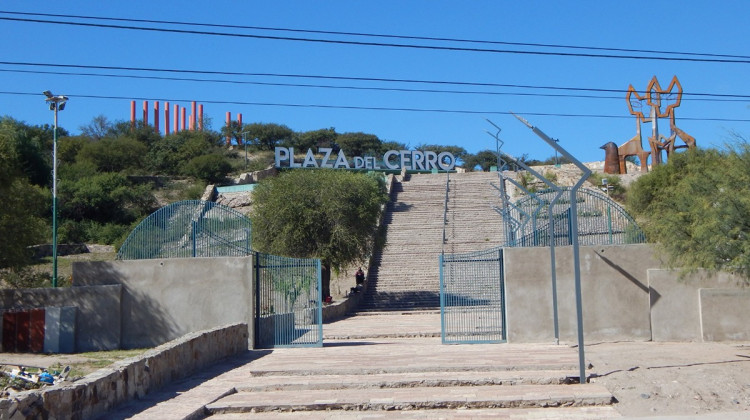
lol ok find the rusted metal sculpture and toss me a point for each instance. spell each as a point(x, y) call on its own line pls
point(653, 99)
point(611, 158)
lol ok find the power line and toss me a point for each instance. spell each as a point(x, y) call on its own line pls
point(303, 85)
point(384, 44)
point(320, 86)
point(350, 78)
point(391, 36)
point(367, 108)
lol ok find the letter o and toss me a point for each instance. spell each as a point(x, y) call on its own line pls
point(444, 166)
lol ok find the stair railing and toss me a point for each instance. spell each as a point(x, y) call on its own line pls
point(445, 209)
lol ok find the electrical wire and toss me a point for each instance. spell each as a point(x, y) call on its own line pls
point(384, 44)
point(350, 78)
point(362, 34)
point(367, 108)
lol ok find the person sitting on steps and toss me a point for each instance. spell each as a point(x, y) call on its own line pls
point(359, 277)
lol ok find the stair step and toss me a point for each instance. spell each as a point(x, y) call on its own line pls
point(414, 398)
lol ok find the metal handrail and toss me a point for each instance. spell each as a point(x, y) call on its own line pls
point(445, 209)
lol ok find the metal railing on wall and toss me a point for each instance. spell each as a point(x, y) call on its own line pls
point(601, 220)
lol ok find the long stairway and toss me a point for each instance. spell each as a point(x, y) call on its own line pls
point(406, 272)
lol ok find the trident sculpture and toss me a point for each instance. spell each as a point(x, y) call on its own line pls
point(653, 99)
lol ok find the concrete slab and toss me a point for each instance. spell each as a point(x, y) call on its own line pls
point(724, 314)
point(675, 303)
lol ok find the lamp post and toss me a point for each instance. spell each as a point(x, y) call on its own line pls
point(56, 103)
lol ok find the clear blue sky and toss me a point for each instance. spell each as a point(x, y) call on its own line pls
point(686, 26)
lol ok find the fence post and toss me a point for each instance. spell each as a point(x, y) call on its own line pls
point(192, 233)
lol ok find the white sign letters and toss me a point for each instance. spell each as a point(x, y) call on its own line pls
point(411, 160)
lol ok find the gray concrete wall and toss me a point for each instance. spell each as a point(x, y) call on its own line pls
point(168, 298)
point(615, 293)
point(97, 321)
point(101, 391)
point(724, 314)
point(676, 303)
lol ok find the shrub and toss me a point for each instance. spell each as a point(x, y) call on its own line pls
point(210, 168)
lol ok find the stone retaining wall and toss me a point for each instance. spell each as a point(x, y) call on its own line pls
point(129, 379)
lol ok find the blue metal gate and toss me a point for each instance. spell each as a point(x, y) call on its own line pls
point(472, 297)
point(288, 302)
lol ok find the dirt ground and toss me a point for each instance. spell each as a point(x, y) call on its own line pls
point(653, 379)
point(648, 379)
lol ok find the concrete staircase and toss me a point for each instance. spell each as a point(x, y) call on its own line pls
point(371, 376)
point(405, 274)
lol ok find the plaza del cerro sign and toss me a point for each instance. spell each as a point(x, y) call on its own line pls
point(411, 160)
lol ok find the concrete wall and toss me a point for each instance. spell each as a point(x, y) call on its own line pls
point(168, 298)
point(615, 293)
point(97, 321)
point(698, 306)
point(101, 391)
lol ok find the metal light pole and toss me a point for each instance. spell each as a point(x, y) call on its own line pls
point(55, 103)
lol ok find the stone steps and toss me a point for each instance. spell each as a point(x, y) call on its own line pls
point(568, 413)
point(412, 398)
point(408, 266)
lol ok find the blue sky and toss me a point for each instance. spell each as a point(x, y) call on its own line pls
point(686, 26)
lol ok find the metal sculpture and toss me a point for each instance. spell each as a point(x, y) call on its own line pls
point(653, 99)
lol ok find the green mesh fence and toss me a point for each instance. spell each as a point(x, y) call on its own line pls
point(472, 297)
point(189, 229)
point(601, 220)
point(288, 302)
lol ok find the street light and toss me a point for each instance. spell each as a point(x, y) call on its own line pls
point(56, 103)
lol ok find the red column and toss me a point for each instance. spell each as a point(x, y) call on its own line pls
point(166, 118)
point(184, 116)
point(145, 113)
point(156, 116)
point(193, 116)
point(132, 115)
point(176, 117)
point(228, 138)
point(200, 117)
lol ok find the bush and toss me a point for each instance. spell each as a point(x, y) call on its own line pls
point(696, 208)
point(210, 168)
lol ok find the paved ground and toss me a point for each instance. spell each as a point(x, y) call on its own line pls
point(697, 380)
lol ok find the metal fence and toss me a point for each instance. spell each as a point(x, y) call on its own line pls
point(288, 306)
point(190, 228)
point(601, 220)
point(472, 300)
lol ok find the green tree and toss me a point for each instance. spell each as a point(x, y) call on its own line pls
point(358, 144)
point(123, 154)
point(696, 207)
point(325, 137)
point(268, 136)
point(484, 160)
point(100, 200)
point(169, 154)
point(98, 128)
point(457, 151)
point(391, 145)
point(326, 214)
point(21, 213)
point(32, 147)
